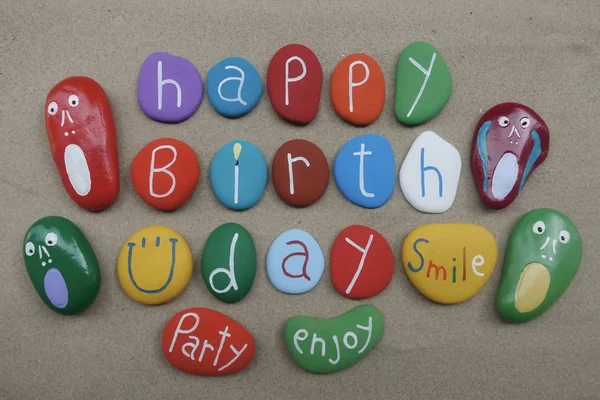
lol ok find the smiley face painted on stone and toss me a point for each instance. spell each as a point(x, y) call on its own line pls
point(510, 141)
point(154, 265)
point(542, 258)
point(82, 137)
point(61, 265)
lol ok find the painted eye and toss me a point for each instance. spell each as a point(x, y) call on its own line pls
point(539, 228)
point(503, 121)
point(564, 236)
point(525, 122)
point(52, 108)
point(29, 249)
point(73, 100)
point(51, 239)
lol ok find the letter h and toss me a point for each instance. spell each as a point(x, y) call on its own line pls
point(429, 168)
point(162, 82)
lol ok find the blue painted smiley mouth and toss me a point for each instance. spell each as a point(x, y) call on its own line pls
point(56, 288)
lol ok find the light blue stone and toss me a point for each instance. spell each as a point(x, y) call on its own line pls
point(233, 86)
point(238, 175)
point(295, 262)
point(364, 170)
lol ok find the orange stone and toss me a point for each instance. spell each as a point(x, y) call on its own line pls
point(358, 89)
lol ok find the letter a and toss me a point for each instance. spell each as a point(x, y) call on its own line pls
point(229, 272)
point(352, 84)
point(291, 169)
point(303, 253)
point(164, 169)
point(430, 168)
point(288, 79)
point(234, 78)
point(162, 82)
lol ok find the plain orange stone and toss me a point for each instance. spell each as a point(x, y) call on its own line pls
point(358, 89)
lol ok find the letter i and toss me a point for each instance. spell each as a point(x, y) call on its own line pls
point(237, 149)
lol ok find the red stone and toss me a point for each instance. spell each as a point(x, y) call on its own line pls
point(308, 182)
point(302, 77)
point(510, 141)
point(365, 272)
point(165, 173)
point(202, 341)
point(83, 141)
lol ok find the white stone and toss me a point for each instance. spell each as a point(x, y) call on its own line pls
point(422, 181)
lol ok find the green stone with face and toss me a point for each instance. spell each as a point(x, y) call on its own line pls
point(542, 257)
point(61, 264)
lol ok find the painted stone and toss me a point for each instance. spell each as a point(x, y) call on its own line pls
point(423, 84)
point(229, 262)
point(362, 262)
point(233, 87)
point(430, 173)
point(358, 89)
point(294, 81)
point(61, 264)
point(449, 263)
point(201, 341)
point(300, 173)
point(169, 88)
point(238, 175)
point(83, 140)
point(327, 345)
point(165, 173)
point(542, 257)
point(364, 170)
point(154, 265)
point(295, 262)
point(510, 142)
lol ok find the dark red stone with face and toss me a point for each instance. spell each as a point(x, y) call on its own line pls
point(82, 137)
point(510, 141)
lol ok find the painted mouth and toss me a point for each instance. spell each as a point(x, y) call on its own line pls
point(532, 287)
point(77, 169)
point(505, 176)
point(56, 288)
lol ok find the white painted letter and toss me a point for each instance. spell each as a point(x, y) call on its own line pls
point(352, 84)
point(291, 169)
point(224, 334)
point(361, 171)
point(369, 329)
point(205, 346)
point(316, 339)
point(362, 260)
point(237, 355)
point(354, 339)
point(297, 337)
point(229, 272)
point(294, 79)
point(234, 78)
point(164, 169)
point(162, 82)
point(427, 73)
point(194, 345)
point(477, 261)
point(337, 349)
point(178, 330)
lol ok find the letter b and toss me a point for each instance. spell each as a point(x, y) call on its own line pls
point(164, 169)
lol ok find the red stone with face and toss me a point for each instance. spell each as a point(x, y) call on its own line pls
point(83, 141)
point(510, 141)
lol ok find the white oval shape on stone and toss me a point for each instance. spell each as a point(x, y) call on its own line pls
point(430, 173)
point(56, 288)
point(505, 176)
point(77, 169)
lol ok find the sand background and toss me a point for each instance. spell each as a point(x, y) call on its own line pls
point(542, 53)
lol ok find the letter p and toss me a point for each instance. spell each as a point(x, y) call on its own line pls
point(352, 84)
point(289, 79)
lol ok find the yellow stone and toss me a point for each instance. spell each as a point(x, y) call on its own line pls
point(154, 265)
point(449, 263)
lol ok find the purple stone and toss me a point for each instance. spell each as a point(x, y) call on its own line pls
point(56, 288)
point(169, 87)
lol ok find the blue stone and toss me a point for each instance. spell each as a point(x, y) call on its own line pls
point(295, 262)
point(233, 86)
point(364, 170)
point(238, 175)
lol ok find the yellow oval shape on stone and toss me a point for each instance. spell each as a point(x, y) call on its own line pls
point(154, 265)
point(532, 287)
point(449, 263)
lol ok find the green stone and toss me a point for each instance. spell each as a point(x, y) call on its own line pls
point(542, 257)
point(61, 264)
point(326, 345)
point(423, 84)
point(229, 262)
